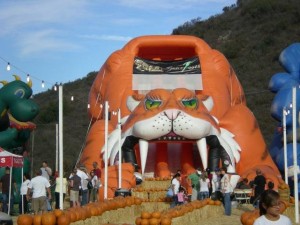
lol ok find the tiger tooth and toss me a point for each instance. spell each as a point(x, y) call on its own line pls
point(202, 148)
point(143, 152)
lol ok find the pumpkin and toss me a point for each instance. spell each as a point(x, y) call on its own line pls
point(166, 221)
point(217, 202)
point(144, 222)
point(153, 221)
point(24, 219)
point(37, 219)
point(63, 220)
point(138, 221)
point(73, 216)
point(48, 219)
point(58, 212)
point(156, 215)
point(145, 215)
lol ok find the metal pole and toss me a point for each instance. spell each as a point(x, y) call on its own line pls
point(57, 144)
point(284, 113)
point(295, 158)
point(61, 150)
point(32, 147)
point(120, 150)
point(9, 191)
point(106, 150)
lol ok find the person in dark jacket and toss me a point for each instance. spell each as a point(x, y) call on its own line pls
point(259, 187)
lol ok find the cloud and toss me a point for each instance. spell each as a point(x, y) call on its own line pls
point(30, 14)
point(170, 4)
point(44, 41)
point(107, 37)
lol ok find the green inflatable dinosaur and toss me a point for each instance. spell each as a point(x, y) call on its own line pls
point(16, 110)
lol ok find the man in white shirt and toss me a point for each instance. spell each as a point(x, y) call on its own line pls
point(81, 172)
point(46, 170)
point(38, 186)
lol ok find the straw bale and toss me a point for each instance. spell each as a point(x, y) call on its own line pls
point(197, 215)
point(162, 184)
point(157, 194)
point(142, 194)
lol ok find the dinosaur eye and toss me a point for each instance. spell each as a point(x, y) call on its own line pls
point(20, 93)
point(152, 104)
point(190, 103)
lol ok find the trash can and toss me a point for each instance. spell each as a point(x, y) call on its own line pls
point(122, 192)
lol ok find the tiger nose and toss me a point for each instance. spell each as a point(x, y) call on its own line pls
point(172, 114)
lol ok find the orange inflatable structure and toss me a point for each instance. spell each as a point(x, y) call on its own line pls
point(182, 107)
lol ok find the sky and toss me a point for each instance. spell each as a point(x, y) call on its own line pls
point(59, 41)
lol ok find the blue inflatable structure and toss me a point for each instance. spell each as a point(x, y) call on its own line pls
point(282, 84)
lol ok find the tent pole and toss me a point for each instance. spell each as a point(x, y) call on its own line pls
point(9, 192)
point(20, 193)
point(32, 147)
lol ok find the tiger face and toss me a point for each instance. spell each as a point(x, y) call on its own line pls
point(175, 116)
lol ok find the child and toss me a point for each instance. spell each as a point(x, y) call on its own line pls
point(181, 196)
point(270, 210)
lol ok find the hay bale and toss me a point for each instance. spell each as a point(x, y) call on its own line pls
point(196, 215)
point(138, 194)
point(154, 206)
point(284, 194)
point(157, 195)
point(161, 184)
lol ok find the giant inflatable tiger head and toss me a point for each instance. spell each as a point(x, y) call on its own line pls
point(214, 119)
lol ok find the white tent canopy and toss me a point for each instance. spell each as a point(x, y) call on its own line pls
point(8, 159)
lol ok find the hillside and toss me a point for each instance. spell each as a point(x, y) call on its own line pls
point(251, 34)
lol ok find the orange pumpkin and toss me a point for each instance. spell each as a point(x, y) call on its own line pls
point(218, 202)
point(48, 219)
point(144, 222)
point(63, 220)
point(153, 221)
point(166, 221)
point(58, 212)
point(156, 215)
point(145, 215)
point(138, 221)
point(24, 219)
point(37, 219)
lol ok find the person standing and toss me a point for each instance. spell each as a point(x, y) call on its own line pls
point(175, 183)
point(23, 203)
point(269, 209)
point(58, 189)
point(96, 184)
point(96, 170)
point(39, 185)
point(216, 185)
point(204, 186)
point(181, 196)
point(226, 189)
point(75, 183)
point(82, 173)
point(6, 187)
point(193, 179)
point(46, 170)
point(259, 187)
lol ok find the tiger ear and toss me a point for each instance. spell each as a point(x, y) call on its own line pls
point(133, 101)
point(207, 101)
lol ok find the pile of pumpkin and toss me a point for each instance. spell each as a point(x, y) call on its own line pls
point(65, 217)
point(165, 217)
point(248, 218)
